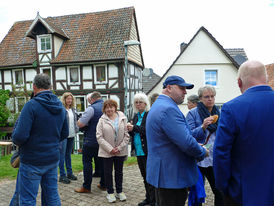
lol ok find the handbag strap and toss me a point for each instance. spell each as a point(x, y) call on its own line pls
point(207, 138)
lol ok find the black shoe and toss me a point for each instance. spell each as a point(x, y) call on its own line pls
point(96, 175)
point(64, 180)
point(72, 177)
point(145, 202)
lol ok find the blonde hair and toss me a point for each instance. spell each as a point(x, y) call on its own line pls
point(64, 97)
point(141, 97)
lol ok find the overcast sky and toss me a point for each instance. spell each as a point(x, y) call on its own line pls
point(164, 25)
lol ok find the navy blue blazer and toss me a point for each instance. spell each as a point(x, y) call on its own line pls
point(172, 150)
point(243, 156)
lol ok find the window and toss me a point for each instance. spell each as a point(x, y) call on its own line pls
point(100, 74)
point(80, 104)
point(18, 77)
point(20, 102)
point(211, 77)
point(44, 43)
point(74, 75)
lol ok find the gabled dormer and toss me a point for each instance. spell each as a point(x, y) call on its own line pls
point(49, 37)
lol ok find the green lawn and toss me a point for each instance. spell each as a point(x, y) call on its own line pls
point(7, 172)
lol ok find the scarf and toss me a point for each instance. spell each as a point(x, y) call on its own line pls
point(204, 113)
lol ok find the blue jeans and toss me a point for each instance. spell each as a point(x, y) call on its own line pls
point(15, 199)
point(65, 156)
point(31, 176)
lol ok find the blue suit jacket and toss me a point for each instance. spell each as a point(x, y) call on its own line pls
point(243, 150)
point(172, 151)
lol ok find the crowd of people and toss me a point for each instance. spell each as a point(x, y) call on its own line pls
point(231, 148)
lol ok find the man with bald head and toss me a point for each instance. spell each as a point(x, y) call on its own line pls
point(243, 156)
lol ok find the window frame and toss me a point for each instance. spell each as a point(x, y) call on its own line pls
point(69, 73)
point(96, 81)
point(216, 80)
point(39, 44)
point(14, 77)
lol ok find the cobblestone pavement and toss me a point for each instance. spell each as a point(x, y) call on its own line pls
point(132, 186)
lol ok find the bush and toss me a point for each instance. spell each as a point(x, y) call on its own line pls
point(4, 112)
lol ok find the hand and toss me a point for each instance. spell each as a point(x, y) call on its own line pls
point(129, 127)
point(115, 151)
point(207, 151)
point(207, 121)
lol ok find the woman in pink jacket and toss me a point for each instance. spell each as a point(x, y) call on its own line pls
point(113, 138)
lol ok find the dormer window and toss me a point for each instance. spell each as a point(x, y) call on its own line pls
point(44, 43)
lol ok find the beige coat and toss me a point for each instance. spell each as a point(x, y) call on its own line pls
point(105, 134)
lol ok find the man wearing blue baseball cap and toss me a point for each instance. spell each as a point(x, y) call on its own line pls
point(172, 150)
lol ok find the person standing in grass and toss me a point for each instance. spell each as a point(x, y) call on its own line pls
point(66, 146)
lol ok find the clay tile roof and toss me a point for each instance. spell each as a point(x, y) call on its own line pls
point(270, 73)
point(92, 37)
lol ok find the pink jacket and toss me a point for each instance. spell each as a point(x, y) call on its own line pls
point(105, 134)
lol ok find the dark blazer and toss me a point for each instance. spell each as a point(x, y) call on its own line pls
point(141, 130)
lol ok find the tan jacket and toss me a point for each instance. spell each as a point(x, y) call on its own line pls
point(105, 134)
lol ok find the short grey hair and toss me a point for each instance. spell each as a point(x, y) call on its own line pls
point(94, 95)
point(193, 98)
point(141, 97)
point(204, 88)
point(42, 81)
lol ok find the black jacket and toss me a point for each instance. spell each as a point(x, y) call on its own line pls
point(141, 130)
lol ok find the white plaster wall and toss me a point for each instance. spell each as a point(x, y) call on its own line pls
point(100, 86)
point(7, 76)
point(60, 73)
point(30, 74)
point(57, 45)
point(75, 87)
point(117, 99)
point(8, 87)
point(113, 71)
point(111, 82)
point(87, 85)
point(87, 72)
point(59, 86)
point(203, 50)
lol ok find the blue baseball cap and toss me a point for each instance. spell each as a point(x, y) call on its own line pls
point(176, 80)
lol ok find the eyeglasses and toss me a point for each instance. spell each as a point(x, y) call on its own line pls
point(138, 102)
point(209, 96)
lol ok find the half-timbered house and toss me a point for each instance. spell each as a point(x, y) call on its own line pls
point(81, 53)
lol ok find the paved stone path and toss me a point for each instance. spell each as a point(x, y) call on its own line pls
point(132, 186)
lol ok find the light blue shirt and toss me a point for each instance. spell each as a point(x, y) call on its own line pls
point(137, 138)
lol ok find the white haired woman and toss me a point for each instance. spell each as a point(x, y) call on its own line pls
point(66, 145)
point(137, 130)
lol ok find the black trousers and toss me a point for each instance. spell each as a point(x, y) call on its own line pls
point(218, 195)
point(229, 201)
point(171, 197)
point(150, 190)
point(118, 163)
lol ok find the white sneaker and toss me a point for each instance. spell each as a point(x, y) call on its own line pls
point(121, 196)
point(111, 198)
